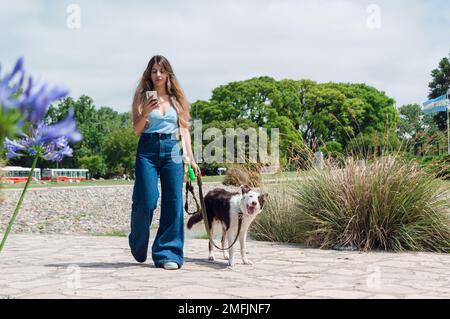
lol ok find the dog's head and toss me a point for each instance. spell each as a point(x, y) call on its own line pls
point(252, 202)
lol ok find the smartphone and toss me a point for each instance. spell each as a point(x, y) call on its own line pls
point(151, 94)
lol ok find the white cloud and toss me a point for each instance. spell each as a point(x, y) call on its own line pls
point(211, 43)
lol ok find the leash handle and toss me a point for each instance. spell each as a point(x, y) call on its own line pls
point(191, 173)
point(190, 189)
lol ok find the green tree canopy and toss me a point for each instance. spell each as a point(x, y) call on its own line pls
point(119, 149)
point(96, 125)
point(411, 121)
point(302, 109)
point(439, 85)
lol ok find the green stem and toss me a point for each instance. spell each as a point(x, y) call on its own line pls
point(13, 217)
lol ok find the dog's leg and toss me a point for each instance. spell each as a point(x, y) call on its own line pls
point(210, 246)
point(230, 235)
point(226, 256)
point(242, 242)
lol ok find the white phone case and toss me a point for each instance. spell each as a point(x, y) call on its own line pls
point(149, 94)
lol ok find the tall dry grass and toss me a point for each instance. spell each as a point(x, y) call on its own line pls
point(364, 200)
point(278, 221)
point(388, 203)
point(243, 174)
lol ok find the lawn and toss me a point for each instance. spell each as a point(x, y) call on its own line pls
point(112, 182)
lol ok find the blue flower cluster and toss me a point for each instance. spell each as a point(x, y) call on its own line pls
point(47, 141)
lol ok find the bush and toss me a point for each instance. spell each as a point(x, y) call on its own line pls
point(389, 204)
point(243, 174)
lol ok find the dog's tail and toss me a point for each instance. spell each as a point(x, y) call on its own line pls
point(194, 219)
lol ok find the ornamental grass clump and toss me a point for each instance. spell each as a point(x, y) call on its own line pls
point(388, 203)
point(278, 221)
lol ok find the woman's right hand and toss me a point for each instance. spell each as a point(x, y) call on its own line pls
point(150, 106)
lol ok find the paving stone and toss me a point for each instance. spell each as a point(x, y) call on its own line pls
point(74, 266)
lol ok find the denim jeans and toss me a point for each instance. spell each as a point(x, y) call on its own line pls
point(157, 156)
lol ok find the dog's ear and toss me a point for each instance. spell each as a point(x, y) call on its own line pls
point(262, 199)
point(245, 189)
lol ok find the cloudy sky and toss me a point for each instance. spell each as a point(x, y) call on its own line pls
point(391, 45)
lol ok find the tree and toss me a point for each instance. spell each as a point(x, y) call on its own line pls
point(95, 164)
point(375, 143)
point(304, 111)
point(248, 99)
point(290, 139)
point(289, 100)
point(95, 126)
point(411, 121)
point(222, 126)
point(439, 85)
point(86, 117)
point(119, 149)
point(411, 126)
point(340, 111)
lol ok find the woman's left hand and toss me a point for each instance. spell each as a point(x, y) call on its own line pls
point(195, 168)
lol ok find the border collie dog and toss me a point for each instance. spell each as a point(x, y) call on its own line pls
point(223, 207)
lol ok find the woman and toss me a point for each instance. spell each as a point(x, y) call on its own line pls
point(157, 121)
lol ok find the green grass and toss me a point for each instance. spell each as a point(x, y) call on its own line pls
point(210, 179)
point(113, 233)
point(110, 182)
point(203, 235)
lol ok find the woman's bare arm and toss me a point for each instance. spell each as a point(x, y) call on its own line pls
point(140, 120)
point(189, 154)
point(187, 143)
point(139, 123)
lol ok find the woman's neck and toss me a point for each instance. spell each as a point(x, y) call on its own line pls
point(161, 91)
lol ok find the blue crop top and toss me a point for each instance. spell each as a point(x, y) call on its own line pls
point(162, 124)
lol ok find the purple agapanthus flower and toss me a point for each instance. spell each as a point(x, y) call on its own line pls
point(36, 100)
point(13, 147)
point(48, 142)
point(57, 149)
point(67, 127)
point(44, 141)
point(8, 90)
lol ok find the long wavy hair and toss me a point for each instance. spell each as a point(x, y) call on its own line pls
point(173, 87)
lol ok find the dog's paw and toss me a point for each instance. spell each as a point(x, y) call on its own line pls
point(247, 262)
point(211, 258)
point(231, 263)
point(226, 256)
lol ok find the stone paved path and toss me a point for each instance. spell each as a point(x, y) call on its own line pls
point(58, 266)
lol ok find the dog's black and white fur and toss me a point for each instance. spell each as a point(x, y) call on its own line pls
point(223, 207)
